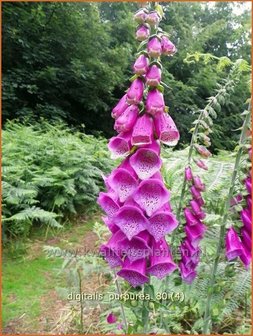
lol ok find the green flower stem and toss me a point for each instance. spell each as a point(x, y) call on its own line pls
point(207, 315)
point(145, 313)
point(193, 141)
point(121, 305)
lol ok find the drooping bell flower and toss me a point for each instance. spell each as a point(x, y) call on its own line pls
point(120, 145)
point(153, 76)
point(201, 164)
point(135, 92)
point(142, 131)
point(197, 210)
point(111, 250)
point(198, 183)
point(142, 33)
point(126, 121)
point(141, 65)
point(190, 218)
point(135, 272)
point(246, 256)
point(195, 233)
point(168, 48)
point(155, 102)
point(233, 244)
point(188, 174)
point(130, 220)
point(187, 274)
point(140, 16)
point(120, 107)
point(110, 224)
point(161, 223)
point(154, 47)
point(203, 151)
point(151, 195)
point(108, 203)
point(153, 18)
point(166, 129)
point(111, 318)
point(123, 183)
point(137, 248)
point(245, 218)
point(195, 193)
point(246, 238)
point(145, 163)
point(161, 263)
point(155, 146)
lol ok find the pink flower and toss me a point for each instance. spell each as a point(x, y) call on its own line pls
point(188, 174)
point(135, 92)
point(154, 47)
point(141, 65)
point(155, 102)
point(127, 119)
point(233, 244)
point(142, 33)
point(120, 107)
point(153, 18)
point(201, 164)
point(153, 76)
point(111, 318)
point(140, 16)
point(142, 131)
point(168, 48)
point(203, 151)
point(120, 145)
point(166, 129)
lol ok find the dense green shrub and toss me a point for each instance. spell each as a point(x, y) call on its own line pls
point(49, 172)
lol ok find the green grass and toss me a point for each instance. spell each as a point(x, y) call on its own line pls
point(24, 282)
point(28, 274)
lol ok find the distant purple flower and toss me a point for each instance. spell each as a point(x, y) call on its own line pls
point(140, 16)
point(135, 92)
point(141, 65)
point(153, 76)
point(154, 47)
point(188, 174)
point(111, 318)
point(142, 33)
point(153, 18)
point(168, 48)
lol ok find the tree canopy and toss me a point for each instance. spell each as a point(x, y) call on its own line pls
point(72, 61)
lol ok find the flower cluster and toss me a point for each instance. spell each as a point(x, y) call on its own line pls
point(240, 245)
point(194, 227)
point(136, 202)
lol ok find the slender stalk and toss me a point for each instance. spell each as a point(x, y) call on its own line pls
point(145, 314)
point(207, 317)
point(81, 301)
point(121, 305)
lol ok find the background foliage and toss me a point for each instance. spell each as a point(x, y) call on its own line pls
point(71, 61)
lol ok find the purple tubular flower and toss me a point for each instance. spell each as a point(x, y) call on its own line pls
point(137, 248)
point(249, 203)
point(233, 244)
point(190, 218)
point(203, 151)
point(245, 217)
point(195, 193)
point(130, 220)
point(197, 210)
point(161, 223)
point(195, 233)
point(140, 16)
point(111, 250)
point(188, 174)
point(123, 183)
point(142, 131)
point(154, 47)
point(119, 145)
point(166, 129)
point(151, 195)
point(246, 238)
point(155, 102)
point(135, 272)
point(145, 163)
point(246, 257)
point(198, 183)
point(142, 33)
point(153, 18)
point(127, 119)
point(108, 203)
point(168, 48)
point(161, 263)
point(120, 107)
point(248, 184)
point(141, 65)
point(187, 274)
point(201, 164)
point(135, 92)
point(111, 318)
point(155, 146)
point(153, 76)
